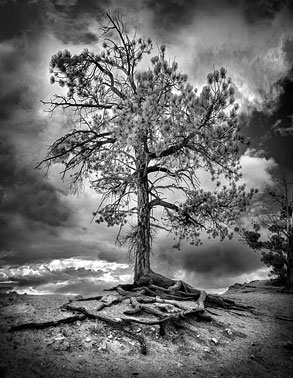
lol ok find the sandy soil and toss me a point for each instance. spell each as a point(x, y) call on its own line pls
point(256, 345)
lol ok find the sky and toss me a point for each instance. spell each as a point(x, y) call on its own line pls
point(48, 243)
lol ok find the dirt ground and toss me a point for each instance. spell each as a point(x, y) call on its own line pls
point(251, 345)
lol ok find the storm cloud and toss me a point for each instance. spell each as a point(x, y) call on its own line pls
point(40, 220)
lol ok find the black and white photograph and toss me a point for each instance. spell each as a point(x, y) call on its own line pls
point(146, 188)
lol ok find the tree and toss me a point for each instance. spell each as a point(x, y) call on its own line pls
point(272, 231)
point(140, 137)
point(143, 134)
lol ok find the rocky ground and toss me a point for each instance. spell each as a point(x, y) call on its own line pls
point(232, 345)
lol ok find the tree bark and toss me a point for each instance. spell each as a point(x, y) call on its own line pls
point(143, 247)
point(290, 264)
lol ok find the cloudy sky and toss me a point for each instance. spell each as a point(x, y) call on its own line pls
point(47, 241)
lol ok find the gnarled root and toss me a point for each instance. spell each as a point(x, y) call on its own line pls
point(161, 299)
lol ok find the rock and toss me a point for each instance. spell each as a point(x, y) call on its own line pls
point(166, 307)
point(88, 340)
point(65, 345)
point(103, 348)
point(59, 337)
point(288, 345)
point(108, 298)
point(228, 331)
point(214, 341)
point(78, 297)
point(207, 350)
point(61, 345)
point(67, 332)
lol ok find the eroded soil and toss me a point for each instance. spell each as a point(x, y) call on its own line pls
point(232, 345)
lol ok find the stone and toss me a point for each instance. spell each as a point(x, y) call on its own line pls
point(61, 345)
point(103, 348)
point(228, 331)
point(59, 337)
point(214, 341)
point(78, 297)
point(67, 332)
point(65, 345)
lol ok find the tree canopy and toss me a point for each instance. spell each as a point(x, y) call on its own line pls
point(142, 135)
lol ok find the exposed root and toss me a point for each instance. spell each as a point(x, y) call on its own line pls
point(163, 304)
point(53, 323)
point(117, 324)
point(286, 318)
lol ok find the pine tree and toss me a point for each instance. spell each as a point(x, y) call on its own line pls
point(272, 232)
point(142, 134)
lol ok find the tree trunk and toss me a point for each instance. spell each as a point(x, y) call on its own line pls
point(143, 274)
point(290, 264)
point(143, 247)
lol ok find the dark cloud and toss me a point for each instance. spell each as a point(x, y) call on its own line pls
point(70, 21)
point(288, 49)
point(169, 16)
point(262, 10)
point(267, 130)
point(30, 206)
point(31, 242)
point(33, 213)
point(213, 264)
point(67, 20)
point(30, 196)
point(224, 259)
point(173, 14)
point(80, 8)
point(20, 16)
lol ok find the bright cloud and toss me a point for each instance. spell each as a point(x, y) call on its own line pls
point(256, 170)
